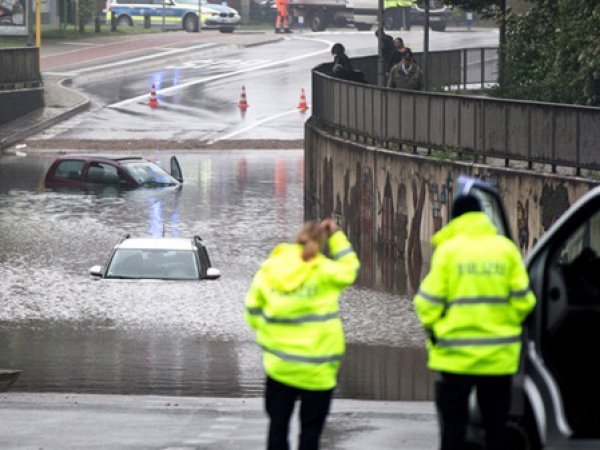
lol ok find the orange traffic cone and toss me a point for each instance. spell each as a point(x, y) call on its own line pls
point(243, 103)
point(153, 102)
point(302, 106)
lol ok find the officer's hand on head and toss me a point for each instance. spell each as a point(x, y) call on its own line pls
point(329, 226)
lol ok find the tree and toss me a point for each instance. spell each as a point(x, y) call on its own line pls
point(553, 53)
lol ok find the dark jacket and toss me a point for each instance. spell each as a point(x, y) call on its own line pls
point(394, 58)
point(342, 68)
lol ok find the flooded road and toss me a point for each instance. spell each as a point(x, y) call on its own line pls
point(71, 333)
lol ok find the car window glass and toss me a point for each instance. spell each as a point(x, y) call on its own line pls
point(69, 169)
point(160, 264)
point(103, 173)
point(491, 206)
point(579, 258)
point(146, 172)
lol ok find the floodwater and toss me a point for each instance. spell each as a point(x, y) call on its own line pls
point(69, 332)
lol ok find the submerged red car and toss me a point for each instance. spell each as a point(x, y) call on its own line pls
point(82, 171)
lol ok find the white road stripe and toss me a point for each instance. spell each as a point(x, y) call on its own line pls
point(221, 76)
point(141, 58)
point(255, 124)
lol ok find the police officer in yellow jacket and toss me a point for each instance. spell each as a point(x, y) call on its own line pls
point(293, 306)
point(472, 304)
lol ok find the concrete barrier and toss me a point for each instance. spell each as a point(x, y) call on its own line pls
point(390, 203)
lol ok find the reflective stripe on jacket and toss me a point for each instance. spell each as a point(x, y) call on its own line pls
point(474, 299)
point(293, 306)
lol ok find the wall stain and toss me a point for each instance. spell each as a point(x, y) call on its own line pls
point(327, 186)
point(553, 202)
point(415, 257)
point(523, 224)
point(401, 236)
point(387, 238)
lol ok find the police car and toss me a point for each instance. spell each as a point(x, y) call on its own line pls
point(180, 13)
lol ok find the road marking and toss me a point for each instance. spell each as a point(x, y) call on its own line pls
point(255, 124)
point(220, 76)
point(198, 63)
point(141, 58)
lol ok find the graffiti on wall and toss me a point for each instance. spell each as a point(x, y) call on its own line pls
point(415, 257)
point(359, 207)
point(523, 224)
point(553, 203)
point(327, 189)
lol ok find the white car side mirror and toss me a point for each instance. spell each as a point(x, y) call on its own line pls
point(96, 271)
point(212, 273)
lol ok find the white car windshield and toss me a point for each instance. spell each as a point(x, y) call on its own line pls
point(148, 173)
point(190, 2)
point(154, 264)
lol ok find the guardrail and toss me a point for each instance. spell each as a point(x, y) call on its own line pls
point(449, 69)
point(535, 132)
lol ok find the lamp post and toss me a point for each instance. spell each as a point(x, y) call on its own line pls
point(380, 62)
point(501, 56)
point(426, 49)
point(199, 16)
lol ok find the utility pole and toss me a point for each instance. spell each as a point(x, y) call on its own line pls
point(380, 61)
point(501, 56)
point(199, 16)
point(425, 67)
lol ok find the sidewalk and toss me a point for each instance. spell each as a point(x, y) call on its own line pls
point(84, 421)
point(63, 61)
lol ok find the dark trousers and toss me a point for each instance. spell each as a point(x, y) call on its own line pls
point(404, 15)
point(452, 400)
point(279, 403)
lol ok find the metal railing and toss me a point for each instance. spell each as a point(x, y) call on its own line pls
point(535, 132)
point(451, 69)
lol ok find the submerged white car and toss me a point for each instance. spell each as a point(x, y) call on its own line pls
point(163, 258)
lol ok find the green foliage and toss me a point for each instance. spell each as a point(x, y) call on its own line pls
point(474, 5)
point(87, 10)
point(553, 53)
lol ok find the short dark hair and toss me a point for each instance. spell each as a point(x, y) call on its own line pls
point(407, 52)
point(337, 46)
point(464, 204)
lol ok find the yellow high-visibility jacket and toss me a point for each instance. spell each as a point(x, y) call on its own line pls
point(405, 3)
point(293, 306)
point(474, 299)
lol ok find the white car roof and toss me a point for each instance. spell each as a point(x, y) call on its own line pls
point(158, 243)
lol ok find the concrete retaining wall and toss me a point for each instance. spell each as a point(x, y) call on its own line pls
point(390, 203)
point(21, 87)
point(19, 102)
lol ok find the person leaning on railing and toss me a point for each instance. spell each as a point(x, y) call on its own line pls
point(406, 74)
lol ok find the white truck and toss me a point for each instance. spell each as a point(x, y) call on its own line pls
point(321, 14)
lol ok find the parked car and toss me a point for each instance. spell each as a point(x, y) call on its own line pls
point(180, 13)
point(85, 171)
point(164, 258)
point(556, 399)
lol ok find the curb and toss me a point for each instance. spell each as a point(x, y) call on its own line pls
point(47, 123)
